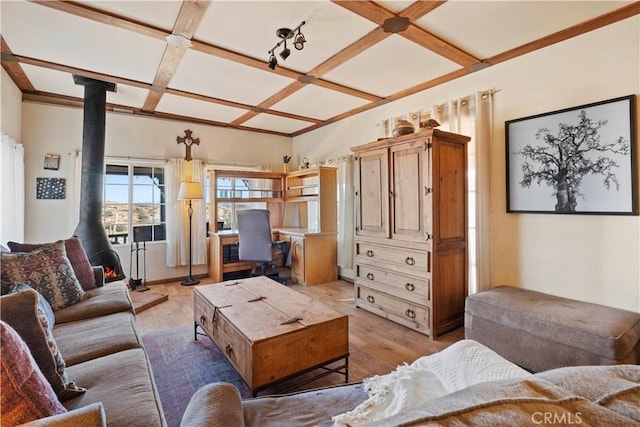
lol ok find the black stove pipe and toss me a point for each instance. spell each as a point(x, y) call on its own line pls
point(90, 230)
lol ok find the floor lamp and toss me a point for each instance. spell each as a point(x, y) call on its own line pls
point(190, 191)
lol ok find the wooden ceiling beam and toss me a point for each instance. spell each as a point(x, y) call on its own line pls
point(80, 71)
point(14, 69)
point(438, 46)
point(370, 39)
point(187, 22)
point(562, 35)
point(379, 15)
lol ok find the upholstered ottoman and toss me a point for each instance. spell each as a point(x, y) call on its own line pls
point(540, 331)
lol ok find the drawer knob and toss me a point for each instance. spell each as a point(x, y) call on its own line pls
point(229, 350)
point(371, 299)
point(370, 276)
point(369, 253)
point(203, 319)
point(410, 313)
point(409, 260)
point(410, 287)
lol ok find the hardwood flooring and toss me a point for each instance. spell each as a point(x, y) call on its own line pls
point(383, 339)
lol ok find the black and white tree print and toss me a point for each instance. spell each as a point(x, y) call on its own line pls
point(562, 160)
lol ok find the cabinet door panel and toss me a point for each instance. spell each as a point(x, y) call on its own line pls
point(452, 193)
point(373, 196)
point(407, 202)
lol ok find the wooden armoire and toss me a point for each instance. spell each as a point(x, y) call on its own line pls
point(411, 229)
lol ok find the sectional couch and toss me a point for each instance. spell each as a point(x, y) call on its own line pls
point(106, 375)
point(476, 387)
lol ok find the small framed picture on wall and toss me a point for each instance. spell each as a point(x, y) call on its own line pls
point(52, 161)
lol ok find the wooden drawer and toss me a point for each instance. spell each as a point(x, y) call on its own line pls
point(203, 315)
point(416, 289)
point(398, 310)
point(394, 258)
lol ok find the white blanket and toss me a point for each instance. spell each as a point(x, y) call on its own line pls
point(460, 365)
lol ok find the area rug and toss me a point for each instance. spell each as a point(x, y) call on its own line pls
point(182, 365)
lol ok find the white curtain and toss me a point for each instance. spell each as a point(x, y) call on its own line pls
point(177, 171)
point(12, 188)
point(472, 116)
point(346, 212)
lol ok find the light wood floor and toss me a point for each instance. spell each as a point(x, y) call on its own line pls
point(388, 341)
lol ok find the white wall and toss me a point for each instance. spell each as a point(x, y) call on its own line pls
point(10, 108)
point(58, 130)
point(594, 258)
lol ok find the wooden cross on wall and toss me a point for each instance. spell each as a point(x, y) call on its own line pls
point(188, 141)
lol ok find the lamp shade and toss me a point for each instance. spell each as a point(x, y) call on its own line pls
point(190, 191)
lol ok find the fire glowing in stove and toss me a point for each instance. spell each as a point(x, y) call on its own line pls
point(110, 273)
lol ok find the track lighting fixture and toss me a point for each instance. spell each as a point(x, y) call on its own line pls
point(285, 34)
point(299, 41)
point(273, 61)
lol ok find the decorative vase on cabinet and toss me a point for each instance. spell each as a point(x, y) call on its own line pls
point(411, 229)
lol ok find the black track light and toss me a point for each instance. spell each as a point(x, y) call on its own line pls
point(299, 41)
point(285, 52)
point(285, 33)
point(273, 62)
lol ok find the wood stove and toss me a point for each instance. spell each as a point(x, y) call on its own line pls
point(90, 229)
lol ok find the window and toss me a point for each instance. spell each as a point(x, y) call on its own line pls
point(235, 194)
point(134, 202)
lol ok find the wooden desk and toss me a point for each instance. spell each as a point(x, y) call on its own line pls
point(314, 255)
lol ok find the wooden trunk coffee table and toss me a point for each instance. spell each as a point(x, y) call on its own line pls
point(270, 332)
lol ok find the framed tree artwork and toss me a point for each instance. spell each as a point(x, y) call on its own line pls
point(579, 160)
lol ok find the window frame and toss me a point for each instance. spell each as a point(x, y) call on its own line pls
point(131, 165)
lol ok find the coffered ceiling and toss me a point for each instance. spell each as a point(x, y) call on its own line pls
point(207, 61)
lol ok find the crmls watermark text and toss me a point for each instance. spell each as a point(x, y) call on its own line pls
point(554, 418)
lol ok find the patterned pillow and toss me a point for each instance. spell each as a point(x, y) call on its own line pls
point(48, 271)
point(19, 310)
point(76, 254)
point(26, 394)
point(44, 308)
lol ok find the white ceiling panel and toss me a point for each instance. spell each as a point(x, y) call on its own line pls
point(376, 70)
point(328, 29)
point(59, 82)
point(395, 5)
point(160, 14)
point(80, 43)
point(276, 123)
point(317, 102)
point(52, 81)
point(195, 108)
point(486, 28)
point(219, 78)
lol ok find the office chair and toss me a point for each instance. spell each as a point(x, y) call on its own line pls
point(255, 239)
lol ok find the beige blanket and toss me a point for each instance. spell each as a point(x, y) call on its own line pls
point(461, 365)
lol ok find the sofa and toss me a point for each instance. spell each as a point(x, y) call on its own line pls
point(460, 393)
point(85, 365)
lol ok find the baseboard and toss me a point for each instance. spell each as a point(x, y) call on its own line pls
point(346, 279)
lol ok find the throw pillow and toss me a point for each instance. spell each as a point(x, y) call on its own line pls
point(48, 271)
point(26, 394)
point(44, 308)
point(77, 257)
point(19, 310)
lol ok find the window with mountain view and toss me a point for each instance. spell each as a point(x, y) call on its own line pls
point(134, 203)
